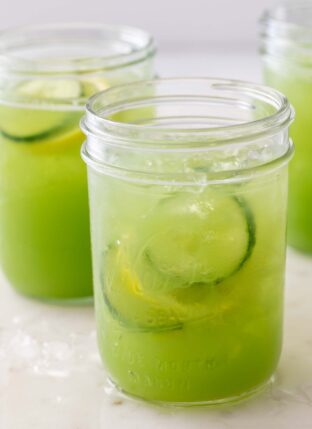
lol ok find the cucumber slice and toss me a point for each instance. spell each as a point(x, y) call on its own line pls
point(198, 238)
point(57, 89)
point(192, 246)
point(26, 124)
point(30, 126)
point(141, 309)
point(123, 296)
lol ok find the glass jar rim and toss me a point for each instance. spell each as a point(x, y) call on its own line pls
point(140, 46)
point(263, 142)
point(94, 122)
point(285, 34)
point(274, 17)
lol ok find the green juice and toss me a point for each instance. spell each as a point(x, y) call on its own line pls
point(298, 89)
point(44, 219)
point(47, 75)
point(189, 285)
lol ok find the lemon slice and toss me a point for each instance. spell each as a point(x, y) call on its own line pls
point(138, 306)
point(93, 85)
point(127, 302)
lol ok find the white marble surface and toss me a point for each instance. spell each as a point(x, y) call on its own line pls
point(50, 371)
point(51, 375)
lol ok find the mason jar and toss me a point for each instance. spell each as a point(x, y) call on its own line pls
point(46, 75)
point(286, 49)
point(188, 194)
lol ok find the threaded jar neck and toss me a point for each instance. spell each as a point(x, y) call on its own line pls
point(200, 128)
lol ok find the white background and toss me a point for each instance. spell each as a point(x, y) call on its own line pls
point(176, 24)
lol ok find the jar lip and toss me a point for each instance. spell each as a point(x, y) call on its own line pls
point(138, 45)
point(159, 138)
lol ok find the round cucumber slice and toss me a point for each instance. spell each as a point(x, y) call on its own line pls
point(139, 308)
point(24, 124)
point(198, 238)
point(31, 126)
point(127, 303)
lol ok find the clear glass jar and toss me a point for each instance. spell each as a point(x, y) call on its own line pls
point(46, 75)
point(286, 49)
point(188, 194)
